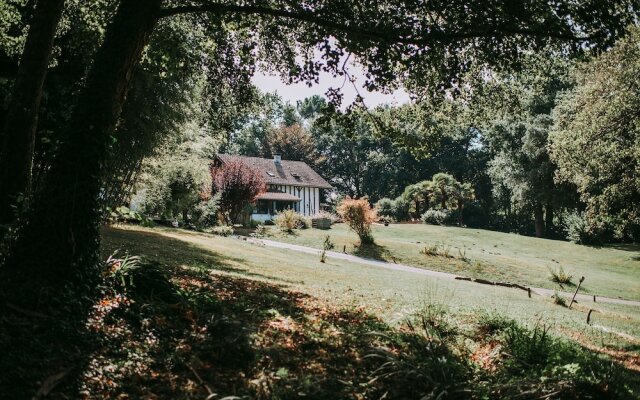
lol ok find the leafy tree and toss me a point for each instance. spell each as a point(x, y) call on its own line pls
point(443, 189)
point(237, 184)
point(395, 40)
point(385, 207)
point(463, 193)
point(311, 107)
point(17, 141)
point(596, 140)
point(293, 142)
point(419, 194)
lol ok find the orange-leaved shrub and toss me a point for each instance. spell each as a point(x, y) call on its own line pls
point(359, 215)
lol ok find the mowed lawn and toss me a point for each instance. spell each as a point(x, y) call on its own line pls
point(612, 271)
point(390, 295)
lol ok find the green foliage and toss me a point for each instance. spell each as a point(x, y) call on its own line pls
point(137, 275)
point(435, 217)
point(174, 186)
point(596, 138)
point(124, 214)
point(385, 207)
point(292, 143)
point(206, 212)
point(401, 208)
point(326, 246)
point(560, 277)
point(223, 230)
point(558, 299)
point(288, 220)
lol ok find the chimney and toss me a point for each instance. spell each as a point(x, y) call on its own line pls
point(277, 158)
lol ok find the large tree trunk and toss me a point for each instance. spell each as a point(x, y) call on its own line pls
point(18, 139)
point(59, 243)
point(548, 216)
point(460, 208)
point(537, 212)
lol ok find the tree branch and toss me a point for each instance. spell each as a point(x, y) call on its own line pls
point(379, 35)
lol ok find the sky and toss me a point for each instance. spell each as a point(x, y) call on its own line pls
point(299, 91)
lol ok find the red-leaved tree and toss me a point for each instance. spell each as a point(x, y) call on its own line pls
point(238, 184)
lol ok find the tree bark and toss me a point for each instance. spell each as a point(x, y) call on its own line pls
point(548, 216)
point(460, 208)
point(18, 139)
point(58, 245)
point(537, 212)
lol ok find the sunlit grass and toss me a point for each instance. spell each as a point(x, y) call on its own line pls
point(609, 271)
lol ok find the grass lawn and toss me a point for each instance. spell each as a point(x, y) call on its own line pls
point(390, 295)
point(608, 271)
point(205, 316)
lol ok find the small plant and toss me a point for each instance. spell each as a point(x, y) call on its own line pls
point(462, 254)
point(528, 347)
point(559, 300)
point(133, 274)
point(288, 220)
point(359, 215)
point(560, 277)
point(259, 231)
point(441, 250)
point(326, 246)
point(224, 230)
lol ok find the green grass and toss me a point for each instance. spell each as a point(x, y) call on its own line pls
point(390, 295)
point(609, 271)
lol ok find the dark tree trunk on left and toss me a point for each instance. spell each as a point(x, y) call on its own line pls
point(58, 245)
point(16, 151)
point(539, 222)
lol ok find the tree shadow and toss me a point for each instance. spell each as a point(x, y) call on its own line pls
point(373, 251)
point(630, 247)
point(174, 330)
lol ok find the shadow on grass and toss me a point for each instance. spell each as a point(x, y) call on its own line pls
point(373, 251)
point(173, 331)
point(174, 252)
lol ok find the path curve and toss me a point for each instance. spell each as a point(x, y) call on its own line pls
point(420, 271)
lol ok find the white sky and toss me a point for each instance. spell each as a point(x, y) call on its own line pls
point(299, 91)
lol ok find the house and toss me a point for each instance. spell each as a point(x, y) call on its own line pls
point(290, 185)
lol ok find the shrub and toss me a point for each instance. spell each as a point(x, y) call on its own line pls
point(359, 215)
point(558, 299)
point(206, 212)
point(237, 183)
point(224, 230)
point(288, 220)
point(575, 227)
point(560, 277)
point(386, 207)
point(435, 217)
point(582, 228)
point(401, 209)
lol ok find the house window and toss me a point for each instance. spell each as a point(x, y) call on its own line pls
point(262, 207)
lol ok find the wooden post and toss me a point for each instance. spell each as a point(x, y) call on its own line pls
point(594, 298)
point(344, 249)
point(589, 316)
point(578, 288)
point(529, 292)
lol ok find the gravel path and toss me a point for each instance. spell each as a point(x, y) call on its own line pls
point(421, 271)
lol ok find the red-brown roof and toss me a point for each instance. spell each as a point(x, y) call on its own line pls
point(294, 173)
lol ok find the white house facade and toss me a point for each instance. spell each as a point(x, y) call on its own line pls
point(290, 185)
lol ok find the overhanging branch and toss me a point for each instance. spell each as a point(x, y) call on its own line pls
point(378, 35)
